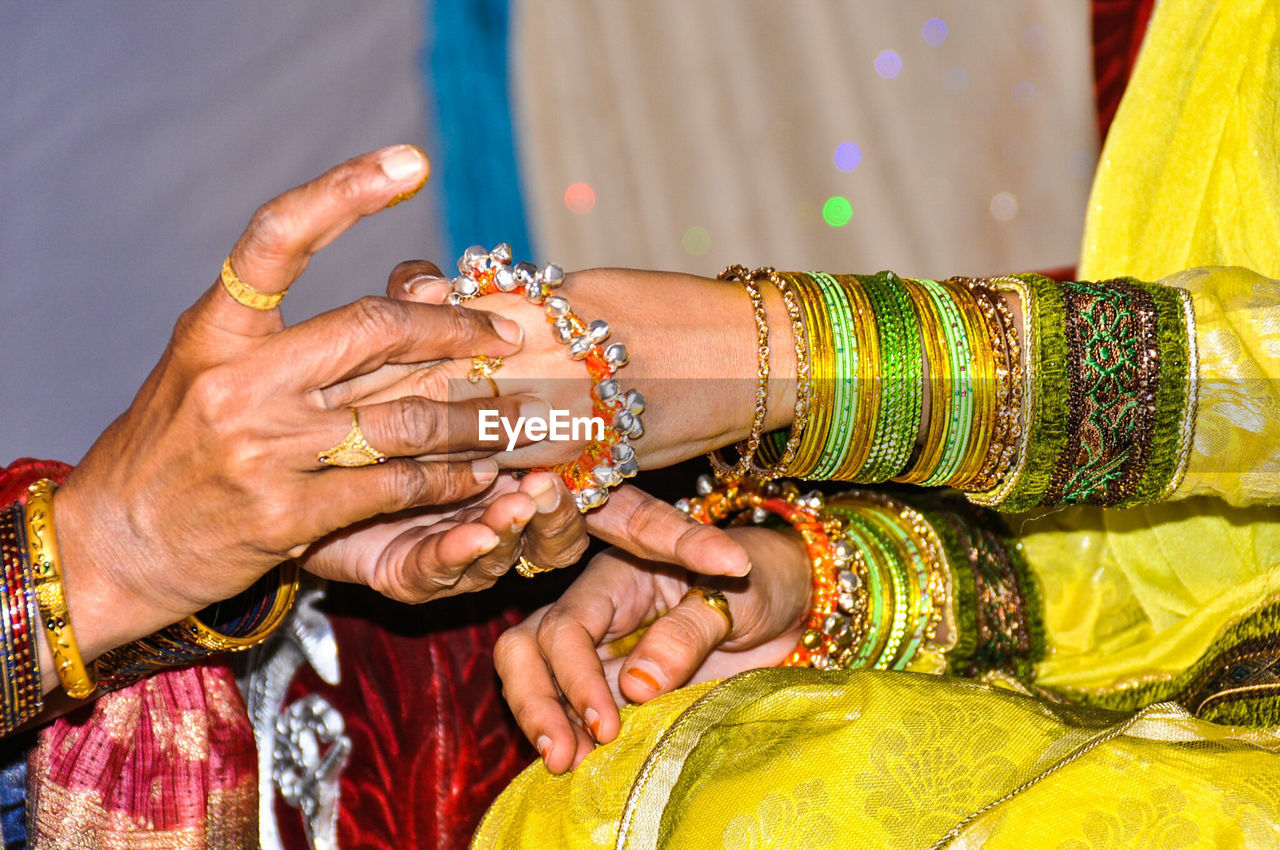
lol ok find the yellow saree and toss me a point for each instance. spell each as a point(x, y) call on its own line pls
point(1134, 599)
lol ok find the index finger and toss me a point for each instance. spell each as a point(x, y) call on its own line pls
point(655, 531)
point(285, 232)
point(357, 338)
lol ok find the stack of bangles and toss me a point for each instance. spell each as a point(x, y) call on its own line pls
point(34, 597)
point(881, 587)
point(606, 460)
point(931, 383)
point(894, 587)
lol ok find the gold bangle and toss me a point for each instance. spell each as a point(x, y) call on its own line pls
point(925, 460)
point(78, 680)
point(207, 638)
point(984, 379)
point(246, 294)
point(747, 449)
point(821, 376)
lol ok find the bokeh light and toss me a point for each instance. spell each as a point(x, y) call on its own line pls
point(955, 79)
point(847, 156)
point(837, 211)
point(696, 241)
point(888, 64)
point(1024, 93)
point(580, 198)
point(1004, 206)
point(934, 32)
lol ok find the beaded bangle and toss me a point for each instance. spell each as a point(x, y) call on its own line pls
point(605, 462)
point(257, 613)
point(78, 679)
point(804, 380)
point(747, 449)
point(1005, 397)
point(1028, 399)
point(23, 692)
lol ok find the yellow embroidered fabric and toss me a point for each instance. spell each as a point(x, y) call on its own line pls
point(1190, 177)
point(810, 759)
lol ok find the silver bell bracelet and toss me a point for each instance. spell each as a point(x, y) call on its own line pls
point(604, 463)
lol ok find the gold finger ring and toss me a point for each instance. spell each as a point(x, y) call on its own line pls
point(714, 599)
point(354, 450)
point(246, 294)
point(529, 569)
point(483, 366)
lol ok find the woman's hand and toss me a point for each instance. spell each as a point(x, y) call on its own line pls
point(693, 348)
point(564, 680)
point(211, 477)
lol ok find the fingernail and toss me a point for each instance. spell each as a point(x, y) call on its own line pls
point(644, 677)
point(543, 745)
point(509, 331)
point(403, 164)
point(593, 722)
point(484, 470)
point(521, 520)
point(487, 546)
point(545, 495)
point(427, 287)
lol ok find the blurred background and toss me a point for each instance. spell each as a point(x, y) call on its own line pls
point(934, 137)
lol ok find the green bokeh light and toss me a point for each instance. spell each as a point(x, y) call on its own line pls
point(837, 211)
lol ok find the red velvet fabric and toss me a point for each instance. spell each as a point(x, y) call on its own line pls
point(432, 740)
point(1118, 29)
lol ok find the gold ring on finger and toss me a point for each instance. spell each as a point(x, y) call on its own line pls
point(246, 294)
point(354, 450)
point(483, 366)
point(529, 569)
point(715, 599)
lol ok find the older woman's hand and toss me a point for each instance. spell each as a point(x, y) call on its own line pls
point(212, 476)
point(566, 669)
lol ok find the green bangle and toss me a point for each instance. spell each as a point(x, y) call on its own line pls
point(917, 572)
point(875, 592)
point(898, 578)
point(961, 374)
point(1172, 394)
point(1047, 432)
point(901, 377)
point(845, 409)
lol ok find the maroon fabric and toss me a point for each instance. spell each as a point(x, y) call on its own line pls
point(1118, 29)
point(432, 740)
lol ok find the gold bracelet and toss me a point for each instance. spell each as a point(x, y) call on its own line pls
point(747, 449)
point(822, 377)
point(246, 294)
point(214, 641)
point(78, 680)
point(804, 377)
point(984, 379)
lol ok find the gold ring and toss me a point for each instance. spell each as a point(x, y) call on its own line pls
point(246, 294)
point(354, 450)
point(529, 569)
point(483, 366)
point(715, 599)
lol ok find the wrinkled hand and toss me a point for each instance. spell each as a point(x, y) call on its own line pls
point(211, 477)
point(564, 680)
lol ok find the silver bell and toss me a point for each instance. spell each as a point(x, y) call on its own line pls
point(501, 253)
point(563, 330)
point(551, 275)
point(504, 279)
point(607, 391)
point(466, 287)
point(606, 476)
point(557, 306)
point(615, 354)
point(526, 273)
point(580, 347)
point(705, 485)
point(598, 331)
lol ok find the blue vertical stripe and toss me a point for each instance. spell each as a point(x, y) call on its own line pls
point(13, 790)
point(466, 71)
